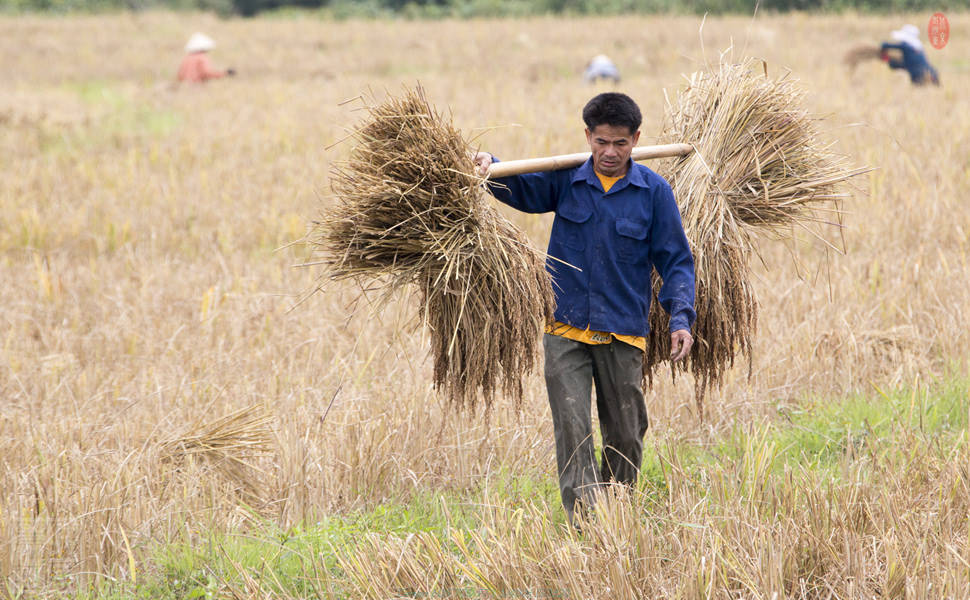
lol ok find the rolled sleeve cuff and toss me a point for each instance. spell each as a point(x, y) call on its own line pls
point(682, 319)
point(678, 324)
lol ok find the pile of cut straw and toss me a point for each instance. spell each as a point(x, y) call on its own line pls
point(758, 167)
point(411, 213)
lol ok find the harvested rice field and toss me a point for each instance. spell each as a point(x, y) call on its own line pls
point(181, 417)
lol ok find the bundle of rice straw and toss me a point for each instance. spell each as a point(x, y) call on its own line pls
point(867, 52)
point(232, 444)
point(758, 167)
point(412, 212)
point(862, 53)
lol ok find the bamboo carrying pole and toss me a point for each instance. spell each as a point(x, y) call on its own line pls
point(566, 161)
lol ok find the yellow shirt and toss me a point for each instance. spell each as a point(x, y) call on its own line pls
point(607, 181)
point(588, 336)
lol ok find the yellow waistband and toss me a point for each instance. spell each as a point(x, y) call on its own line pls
point(588, 336)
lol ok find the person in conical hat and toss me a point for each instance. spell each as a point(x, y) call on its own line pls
point(601, 67)
point(914, 58)
point(195, 67)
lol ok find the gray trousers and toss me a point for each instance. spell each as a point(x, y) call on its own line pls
point(571, 370)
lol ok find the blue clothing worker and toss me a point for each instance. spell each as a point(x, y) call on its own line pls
point(615, 220)
point(601, 67)
point(914, 58)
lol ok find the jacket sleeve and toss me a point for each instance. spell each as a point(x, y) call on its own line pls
point(671, 256)
point(531, 193)
point(894, 63)
point(207, 71)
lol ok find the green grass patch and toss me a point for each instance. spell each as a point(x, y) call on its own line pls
point(286, 560)
point(108, 116)
point(816, 437)
point(820, 433)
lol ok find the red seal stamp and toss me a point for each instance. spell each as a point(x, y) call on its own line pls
point(938, 30)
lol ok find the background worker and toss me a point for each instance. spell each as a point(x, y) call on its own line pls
point(615, 221)
point(601, 67)
point(914, 58)
point(195, 67)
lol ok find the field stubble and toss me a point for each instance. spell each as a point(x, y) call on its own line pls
point(144, 297)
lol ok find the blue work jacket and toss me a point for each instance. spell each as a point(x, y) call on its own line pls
point(914, 61)
point(612, 241)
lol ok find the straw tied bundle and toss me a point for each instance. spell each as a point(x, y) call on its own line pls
point(758, 166)
point(412, 212)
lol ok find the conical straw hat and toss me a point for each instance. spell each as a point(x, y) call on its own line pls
point(199, 42)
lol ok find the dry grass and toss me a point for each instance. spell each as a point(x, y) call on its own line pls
point(758, 531)
point(410, 210)
point(142, 292)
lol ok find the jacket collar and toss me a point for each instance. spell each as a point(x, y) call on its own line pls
point(633, 176)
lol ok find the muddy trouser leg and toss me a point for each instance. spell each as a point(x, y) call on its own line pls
point(618, 375)
point(569, 383)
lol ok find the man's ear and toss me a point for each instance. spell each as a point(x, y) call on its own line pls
point(589, 136)
point(636, 137)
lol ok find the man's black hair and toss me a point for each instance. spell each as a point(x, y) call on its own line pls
point(614, 109)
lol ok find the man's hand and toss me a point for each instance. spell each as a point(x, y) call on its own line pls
point(483, 160)
point(680, 344)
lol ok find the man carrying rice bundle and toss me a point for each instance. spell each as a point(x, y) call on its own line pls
point(615, 221)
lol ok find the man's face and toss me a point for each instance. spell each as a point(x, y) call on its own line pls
point(611, 147)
